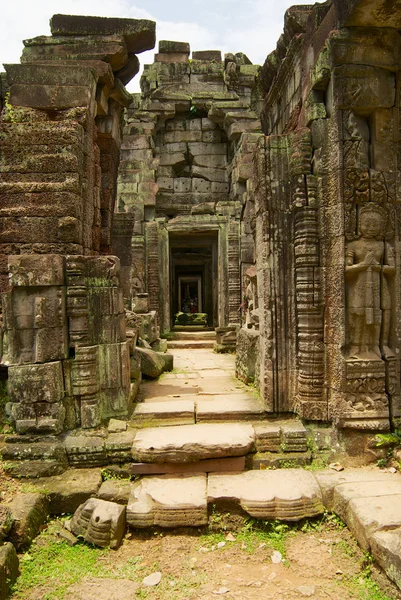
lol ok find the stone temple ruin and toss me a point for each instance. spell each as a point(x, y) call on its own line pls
point(262, 202)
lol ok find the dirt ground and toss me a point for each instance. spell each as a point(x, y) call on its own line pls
point(322, 563)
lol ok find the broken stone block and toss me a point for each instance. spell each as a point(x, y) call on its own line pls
point(152, 363)
point(168, 501)
point(189, 443)
point(160, 345)
point(99, 522)
point(9, 569)
point(67, 491)
point(288, 494)
point(115, 491)
point(278, 460)
point(30, 512)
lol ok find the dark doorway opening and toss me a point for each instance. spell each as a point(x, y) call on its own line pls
point(193, 274)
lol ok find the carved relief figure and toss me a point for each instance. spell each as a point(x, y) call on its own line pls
point(251, 299)
point(369, 267)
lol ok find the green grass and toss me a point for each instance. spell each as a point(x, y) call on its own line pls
point(56, 564)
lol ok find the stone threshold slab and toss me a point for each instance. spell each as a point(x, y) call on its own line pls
point(190, 443)
point(181, 412)
point(225, 408)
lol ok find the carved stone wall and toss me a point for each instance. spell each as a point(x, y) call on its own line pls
point(327, 216)
point(64, 342)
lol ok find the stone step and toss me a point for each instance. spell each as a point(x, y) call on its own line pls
point(229, 408)
point(157, 414)
point(193, 335)
point(194, 344)
point(183, 500)
point(190, 443)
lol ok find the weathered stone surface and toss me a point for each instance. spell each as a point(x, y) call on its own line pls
point(66, 492)
point(189, 443)
point(116, 426)
point(9, 569)
point(85, 450)
point(366, 516)
point(329, 480)
point(229, 408)
point(30, 512)
point(6, 521)
point(115, 491)
point(278, 460)
point(168, 501)
point(346, 492)
point(386, 549)
point(182, 411)
point(267, 437)
point(99, 522)
point(139, 34)
point(152, 363)
point(118, 446)
point(211, 465)
point(289, 495)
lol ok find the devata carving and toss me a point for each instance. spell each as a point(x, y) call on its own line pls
point(369, 268)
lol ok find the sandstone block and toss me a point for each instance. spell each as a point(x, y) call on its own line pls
point(30, 512)
point(36, 383)
point(328, 480)
point(29, 270)
point(9, 569)
point(139, 34)
point(207, 55)
point(366, 516)
point(115, 491)
point(99, 522)
point(67, 491)
point(85, 451)
point(118, 447)
point(288, 495)
point(211, 465)
point(168, 501)
point(267, 437)
point(229, 408)
point(6, 521)
point(386, 549)
point(179, 411)
point(189, 443)
point(152, 363)
point(203, 149)
point(346, 492)
point(375, 87)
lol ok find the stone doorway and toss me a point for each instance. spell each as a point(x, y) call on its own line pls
point(194, 275)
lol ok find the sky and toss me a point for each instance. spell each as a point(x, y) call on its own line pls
point(249, 26)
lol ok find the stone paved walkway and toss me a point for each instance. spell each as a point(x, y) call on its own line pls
point(196, 371)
